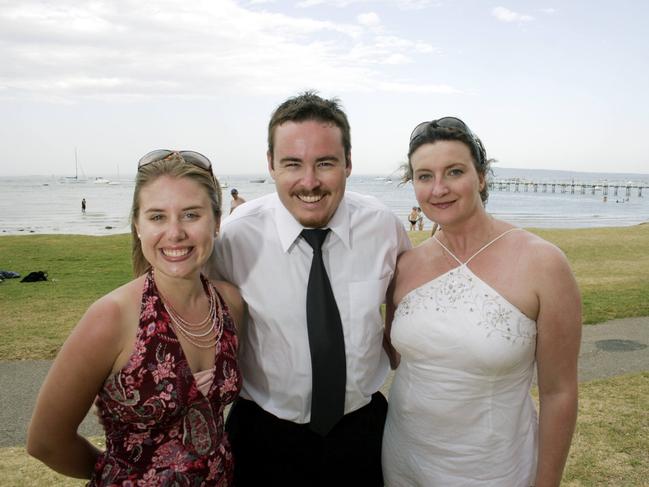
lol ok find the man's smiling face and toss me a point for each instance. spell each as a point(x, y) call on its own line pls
point(310, 170)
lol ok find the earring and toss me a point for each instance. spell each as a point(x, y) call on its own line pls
point(139, 236)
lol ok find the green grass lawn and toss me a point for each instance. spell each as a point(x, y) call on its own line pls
point(611, 442)
point(38, 316)
point(611, 265)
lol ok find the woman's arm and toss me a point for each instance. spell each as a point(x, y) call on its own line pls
point(557, 350)
point(75, 378)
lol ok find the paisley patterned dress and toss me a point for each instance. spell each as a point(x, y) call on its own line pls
point(160, 429)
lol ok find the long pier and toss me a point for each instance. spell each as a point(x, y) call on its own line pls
point(572, 187)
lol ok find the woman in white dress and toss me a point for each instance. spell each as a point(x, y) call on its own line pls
point(473, 311)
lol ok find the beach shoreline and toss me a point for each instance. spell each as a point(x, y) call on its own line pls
point(38, 206)
point(126, 231)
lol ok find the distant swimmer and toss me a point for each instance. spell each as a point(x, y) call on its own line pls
point(83, 206)
point(236, 199)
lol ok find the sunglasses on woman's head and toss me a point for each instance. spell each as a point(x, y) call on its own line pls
point(449, 123)
point(190, 156)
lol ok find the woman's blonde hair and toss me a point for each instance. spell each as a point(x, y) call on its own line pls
point(176, 167)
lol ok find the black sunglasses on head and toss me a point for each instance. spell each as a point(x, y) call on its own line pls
point(190, 156)
point(449, 123)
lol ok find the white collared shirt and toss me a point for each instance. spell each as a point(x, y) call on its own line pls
point(260, 251)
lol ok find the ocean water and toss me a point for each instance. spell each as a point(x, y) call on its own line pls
point(42, 204)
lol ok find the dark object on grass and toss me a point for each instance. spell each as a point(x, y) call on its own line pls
point(8, 275)
point(616, 345)
point(35, 277)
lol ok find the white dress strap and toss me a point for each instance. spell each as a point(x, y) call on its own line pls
point(488, 244)
point(481, 249)
point(447, 250)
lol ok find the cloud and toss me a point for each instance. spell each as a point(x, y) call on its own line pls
point(400, 4)
point(549, 11)
point(416, 4)
point(407, 87)
point(387, 50)
point(313, 3)
point(369, 19)
point(505, 15)
point(168, 48)
point(397, 59)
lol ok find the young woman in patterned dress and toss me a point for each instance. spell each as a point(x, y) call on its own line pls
point(157, 355)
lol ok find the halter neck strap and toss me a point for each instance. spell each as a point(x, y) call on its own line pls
point(480, 250)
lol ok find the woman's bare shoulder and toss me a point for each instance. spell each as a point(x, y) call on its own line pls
point(538, 249)
point(535, 256)
point(228, 291)
point(123, 296)
point(232, 296)
point(114, 312)
point(413, 257)
point(102, 333)
point(415, 267)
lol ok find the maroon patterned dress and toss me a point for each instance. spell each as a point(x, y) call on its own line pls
point(160, 429)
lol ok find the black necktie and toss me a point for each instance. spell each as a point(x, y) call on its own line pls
point(326, 341)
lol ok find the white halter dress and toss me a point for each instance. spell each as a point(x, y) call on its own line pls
point(460, 413)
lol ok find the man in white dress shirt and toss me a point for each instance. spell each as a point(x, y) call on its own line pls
point(262, 252)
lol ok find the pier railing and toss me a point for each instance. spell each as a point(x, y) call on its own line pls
point(572, 187)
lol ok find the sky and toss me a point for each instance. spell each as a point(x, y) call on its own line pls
point(545, 85)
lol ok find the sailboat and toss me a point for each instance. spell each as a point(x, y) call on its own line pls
point(75, 178)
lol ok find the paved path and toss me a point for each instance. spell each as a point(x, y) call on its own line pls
point(614, 348)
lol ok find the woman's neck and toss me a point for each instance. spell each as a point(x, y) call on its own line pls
point(185, 294)
point(464, 239)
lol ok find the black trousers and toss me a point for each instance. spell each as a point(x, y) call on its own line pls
point(269, 451)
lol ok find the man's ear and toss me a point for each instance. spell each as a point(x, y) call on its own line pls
point(271, 168)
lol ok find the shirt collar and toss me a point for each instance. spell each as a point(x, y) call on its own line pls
point(289, 229)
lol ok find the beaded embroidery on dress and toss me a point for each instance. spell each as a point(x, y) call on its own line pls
point(460, 411)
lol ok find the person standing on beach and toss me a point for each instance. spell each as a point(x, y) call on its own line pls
point(83, 206)
point(236, 199)
point(420, 219)
point(310, 412)
point(158, 355)
point(480, 307)
point(412, 218)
